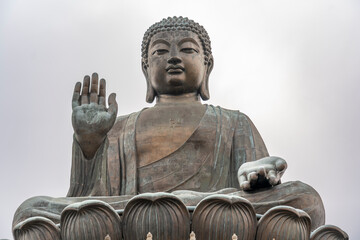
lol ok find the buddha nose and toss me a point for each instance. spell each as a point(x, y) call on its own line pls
point(174, 60)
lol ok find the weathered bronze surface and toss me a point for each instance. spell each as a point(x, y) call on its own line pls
point(90, 219)
point(35, 228)
point(162, 214)
point(284, 222)
point(329, 232)
point(180, 145)
point(222, 216)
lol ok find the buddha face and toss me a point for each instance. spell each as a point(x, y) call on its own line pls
point(176, 63)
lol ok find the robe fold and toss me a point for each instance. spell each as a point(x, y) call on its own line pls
point(191, 172)
point(231, 136)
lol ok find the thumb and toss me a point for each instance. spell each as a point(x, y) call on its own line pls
point(280, 165)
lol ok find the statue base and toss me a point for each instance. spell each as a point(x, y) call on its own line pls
point(163, 216)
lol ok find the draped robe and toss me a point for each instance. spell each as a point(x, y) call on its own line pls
point(206, 163)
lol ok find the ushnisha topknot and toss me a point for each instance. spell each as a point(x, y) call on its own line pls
point(175, 24)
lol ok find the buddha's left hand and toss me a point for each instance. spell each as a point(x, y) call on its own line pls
point(264, 172)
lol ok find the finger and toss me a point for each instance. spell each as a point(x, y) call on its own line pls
point(252, 178)
point(94, 88)
point(102, 92)
point(245, 186)
point(244, 183)
point(242, 179)
point(261, 172)
point(76, 95)
point(273, 180)
point(85, 90)
point(113, 107)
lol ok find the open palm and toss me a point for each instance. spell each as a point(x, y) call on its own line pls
point(90, 118)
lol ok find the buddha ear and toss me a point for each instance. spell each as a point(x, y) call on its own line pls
point(204, 88)
point(150, 93)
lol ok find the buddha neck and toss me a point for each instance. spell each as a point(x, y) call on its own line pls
point(178, 99)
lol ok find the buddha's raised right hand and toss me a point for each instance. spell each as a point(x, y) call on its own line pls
point(91, 119)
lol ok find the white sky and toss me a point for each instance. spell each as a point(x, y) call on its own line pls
point(292, 66)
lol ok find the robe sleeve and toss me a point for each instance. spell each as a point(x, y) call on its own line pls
point(104, 174)
point(247, 146)
point(89, 177)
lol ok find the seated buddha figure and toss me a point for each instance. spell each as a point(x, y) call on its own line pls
point(180, 145)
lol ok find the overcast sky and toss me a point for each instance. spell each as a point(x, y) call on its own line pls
point(292, 66)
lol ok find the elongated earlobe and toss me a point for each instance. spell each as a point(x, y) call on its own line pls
point(150, 93)
point(204, 88)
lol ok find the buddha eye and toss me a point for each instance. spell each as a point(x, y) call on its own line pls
point(189, 50)
point(160, 51)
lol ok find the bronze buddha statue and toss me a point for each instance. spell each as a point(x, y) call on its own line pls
point(180, 145)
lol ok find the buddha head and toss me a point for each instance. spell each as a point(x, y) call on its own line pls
point(176, 58)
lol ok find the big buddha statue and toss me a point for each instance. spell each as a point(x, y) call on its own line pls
point(179, 146)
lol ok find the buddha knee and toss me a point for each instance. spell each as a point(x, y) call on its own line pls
point(29, 208)
point(305, 190)
point(309, 200)
point(34, 202)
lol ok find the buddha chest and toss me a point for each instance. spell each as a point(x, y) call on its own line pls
point(162, 129)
